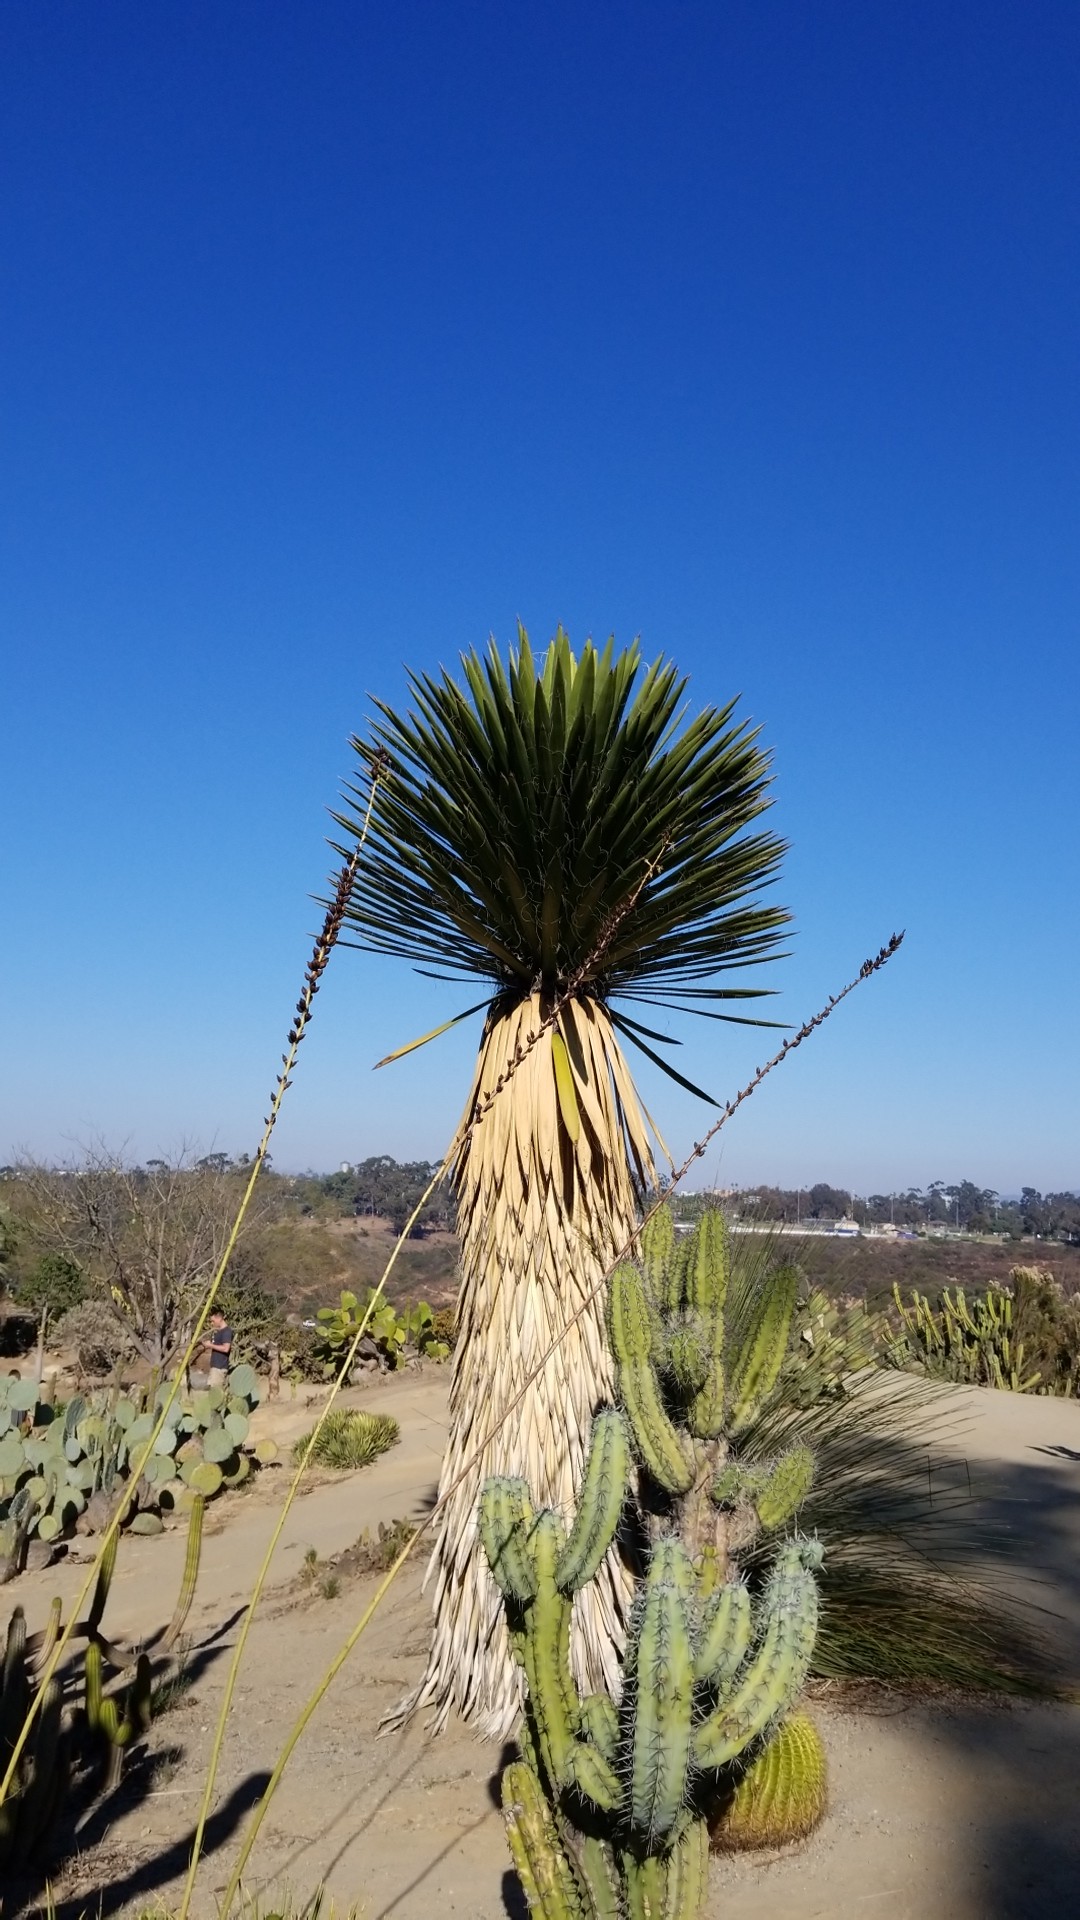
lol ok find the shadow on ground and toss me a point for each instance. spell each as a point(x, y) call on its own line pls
point(1026, 1759)
point(84, 1823)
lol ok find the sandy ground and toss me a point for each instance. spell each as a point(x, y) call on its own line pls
point(936, 1813)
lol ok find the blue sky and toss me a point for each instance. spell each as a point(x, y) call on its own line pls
point(336, 337)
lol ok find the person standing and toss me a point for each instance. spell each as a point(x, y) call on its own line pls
point(212, 1357)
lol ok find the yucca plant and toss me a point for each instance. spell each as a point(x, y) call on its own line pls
point(567, 837)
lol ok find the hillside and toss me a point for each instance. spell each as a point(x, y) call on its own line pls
point(312, 1260)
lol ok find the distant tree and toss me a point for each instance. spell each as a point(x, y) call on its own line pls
point(1065, 1216)
point(826, 1203)
point(210, 1163)
point(7, 1245)
point(937, 1205)
point(147, 1240)
point(1033, 1214)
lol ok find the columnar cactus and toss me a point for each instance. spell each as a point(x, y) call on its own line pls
point(975, 1345)
point(82, 1733)
point(608, 1809)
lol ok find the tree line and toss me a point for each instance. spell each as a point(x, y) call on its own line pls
point(132, 1247)
point(961, 1205)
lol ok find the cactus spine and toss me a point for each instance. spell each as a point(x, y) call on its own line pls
point(608, 1810)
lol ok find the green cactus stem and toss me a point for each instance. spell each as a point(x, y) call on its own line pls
point(646, 1881)
point(47, 1773)
point(552, 1693)
point(689, 1353)
point(630, 1319)
point(93, 1695)
point(762, 1349)
point(45, 1641)
point(542, 1862)
point(663, 1693)
point(106, 1568)
point(659, 1258)
point(603, 1491)
point(14, 1687)
point(688, 1872)
point(784, 1488)
point(776, 1674)
point(598, 1875)
point(725, 1637)
point(707, 1269)
point(506, 1515)
point(735, 1483)
point(587, 1771)
point(657, 1440)
point(598, 1721)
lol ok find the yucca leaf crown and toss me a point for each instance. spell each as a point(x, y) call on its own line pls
point(539, 827)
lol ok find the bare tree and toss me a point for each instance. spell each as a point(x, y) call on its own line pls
point(147, 1238)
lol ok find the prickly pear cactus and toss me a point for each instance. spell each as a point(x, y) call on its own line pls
point(608, 1809)
point(55, 1460)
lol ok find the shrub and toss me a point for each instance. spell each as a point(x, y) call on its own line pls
point(971, 1345)
point(348, 1439)
point(97, 1337)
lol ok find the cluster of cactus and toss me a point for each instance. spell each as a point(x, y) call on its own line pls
point(388, 1336)
point(203, 1445)
point(609, 1808)
point(972, 1345)
point(94, 1710)
point(54, 1460)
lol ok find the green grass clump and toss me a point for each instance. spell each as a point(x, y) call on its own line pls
point(350, 1439)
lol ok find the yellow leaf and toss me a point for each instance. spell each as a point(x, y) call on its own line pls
point(400, 1052)
point(564, 1086)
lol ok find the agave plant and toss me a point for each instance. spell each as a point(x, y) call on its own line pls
point(567, 838)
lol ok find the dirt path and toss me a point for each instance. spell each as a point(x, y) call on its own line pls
point(940, 1814)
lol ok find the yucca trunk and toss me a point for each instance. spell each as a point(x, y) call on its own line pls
point(548, 1176)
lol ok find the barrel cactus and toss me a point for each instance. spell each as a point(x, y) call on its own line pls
point(781, 1795)
point(609, 1807)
